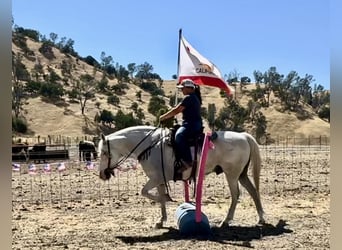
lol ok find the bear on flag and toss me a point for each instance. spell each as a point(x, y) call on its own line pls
point(192, 65)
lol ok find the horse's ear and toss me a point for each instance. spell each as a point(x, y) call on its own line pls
point(103, 137)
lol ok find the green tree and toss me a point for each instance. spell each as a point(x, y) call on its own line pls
point(258, 95)
point(19, 125)
point(106, 118)
point(68, 47)
point(107, 64)
point(33, 87)
point(85, 89)
point(305, 89)
point(53, 37)
point(19, 69)
point(19, 75)
point(324, 113)
point(258, 76)
point(140, 114)
point(38, 70)
point(92, 61)
point(252, 109)
point(156, 103)
point(144, 71)
point(66, 68)
point(120, 88)
point(211, 115)
point(51, 90)
point(131, 69)
point(261, 126)
point(103, 85)
point(46, 50)
point(138, 95)
point(232, 116)
point(233, 80)
point(137, 111)
point(151, 87)
point(172, 100)
point(33, 34)
point(285, 88)
point(121, 73)
point(320, 99)
point(134, 107)
point(73, 95)
point(125, 120)
point(53, 76)
point(245, 80)
point(113, 99)
point(272, 81)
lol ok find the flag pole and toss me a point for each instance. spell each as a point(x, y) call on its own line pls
point(186, 183)
point(179, 42)
point(178, 60)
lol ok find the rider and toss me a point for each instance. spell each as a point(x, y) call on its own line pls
point(191, 125)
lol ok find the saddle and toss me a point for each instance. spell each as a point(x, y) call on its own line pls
point(196, 141)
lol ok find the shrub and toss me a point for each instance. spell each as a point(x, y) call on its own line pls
point(113, 99)
point(152, 88)
point(106, 117)
point(33, 87)
point(46, 50)
point(51, 90)
point(19, 125)
point(156, 103)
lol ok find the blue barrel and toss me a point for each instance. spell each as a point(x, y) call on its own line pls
point(186, 221)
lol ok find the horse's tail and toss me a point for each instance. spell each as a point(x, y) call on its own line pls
point(255, 159)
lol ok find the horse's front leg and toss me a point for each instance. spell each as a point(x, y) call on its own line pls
point(163, 198)
point(160, 198)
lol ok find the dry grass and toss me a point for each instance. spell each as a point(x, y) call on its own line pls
point(66, 119)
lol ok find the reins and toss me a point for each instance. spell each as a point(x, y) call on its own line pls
point(110, 169)
point(162, 162)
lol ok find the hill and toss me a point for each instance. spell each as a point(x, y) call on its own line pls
point(65, 118)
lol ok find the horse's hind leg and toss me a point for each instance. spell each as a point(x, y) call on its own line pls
point(246, 183)
point(235, 193)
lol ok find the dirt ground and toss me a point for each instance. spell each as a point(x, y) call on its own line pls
point(73, 209)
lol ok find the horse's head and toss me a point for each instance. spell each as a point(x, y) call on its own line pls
point(109, 157)
point(115, 148)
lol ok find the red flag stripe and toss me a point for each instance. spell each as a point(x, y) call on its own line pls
point(208, 81)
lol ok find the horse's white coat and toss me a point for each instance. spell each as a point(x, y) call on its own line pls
point(232, 151)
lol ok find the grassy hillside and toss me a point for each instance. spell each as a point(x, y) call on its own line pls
point(65, 118)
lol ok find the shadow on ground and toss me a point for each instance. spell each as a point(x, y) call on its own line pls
point(234, 235)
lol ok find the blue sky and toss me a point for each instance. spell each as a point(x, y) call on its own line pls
point(240, 36)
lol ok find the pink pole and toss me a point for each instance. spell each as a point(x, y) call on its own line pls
point(203, 159)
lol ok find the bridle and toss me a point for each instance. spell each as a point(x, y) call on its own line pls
point(110, 170)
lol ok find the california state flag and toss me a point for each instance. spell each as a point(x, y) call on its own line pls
point(194, 66)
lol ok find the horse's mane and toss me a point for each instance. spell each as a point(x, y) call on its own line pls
point(88, 142)
point(124, 131)
point(130, 129)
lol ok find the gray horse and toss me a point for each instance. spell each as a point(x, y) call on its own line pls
point(233, 153)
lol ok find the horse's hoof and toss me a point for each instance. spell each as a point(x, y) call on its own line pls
point(159, 225)
point(167, 198)
point(261, 222)
point(224, 224)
